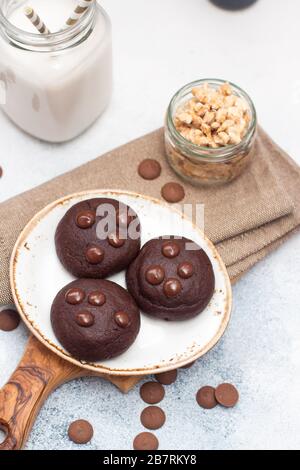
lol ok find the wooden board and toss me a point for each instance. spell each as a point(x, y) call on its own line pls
point(39, 372)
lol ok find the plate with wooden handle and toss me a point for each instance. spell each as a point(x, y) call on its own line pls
point(36, 275)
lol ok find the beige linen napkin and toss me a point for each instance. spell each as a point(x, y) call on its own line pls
point(246, 218)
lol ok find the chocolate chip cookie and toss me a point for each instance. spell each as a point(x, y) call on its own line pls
point(97, 237)
point(172, 279)
point(95, 319)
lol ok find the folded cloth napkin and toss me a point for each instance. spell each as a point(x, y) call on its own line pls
point(246, 218)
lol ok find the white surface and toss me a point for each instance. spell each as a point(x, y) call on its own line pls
point(160, 345)
point(159, 46)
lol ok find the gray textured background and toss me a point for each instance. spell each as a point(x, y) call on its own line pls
point(159, 46)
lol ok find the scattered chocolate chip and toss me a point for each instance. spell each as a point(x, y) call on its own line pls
point(1, 171)
point(74, 296)
point(206, 397)
point(170, 249)
point(9, 319)
point(149, 169)
point(185, 270)
point(172, 287)
point(123, 218)
point(155, 275)
point(80, 431)
point(145, 441)
point(173, 192)
point(96, 298)
point(85, 319)
point(122, 319)
point(115, 241)
point(188, 366)
point(94, 254)
point(153, 417)
point(167, 378)
point(227, 395)
point(152, 392)
point(85, 219)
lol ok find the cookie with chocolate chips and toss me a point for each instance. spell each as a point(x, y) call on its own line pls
point(95, 319)
point(97, 237)
point(171, 278)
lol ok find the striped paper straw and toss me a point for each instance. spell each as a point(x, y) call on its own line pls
point(36, 20)
point(82, 6)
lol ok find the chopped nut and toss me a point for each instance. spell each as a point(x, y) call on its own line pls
point(206, 129)
point(202, 109)
point(185, 117)
point(230, 100)
point(213, 117)
point(221, 115)
point(234, 113)
point(213, 144)
point(234, 135)
point(225, 125)
point(226, 89)
point(215, 125)
point(197, 121)
point(209, 117)
point(224, 137)
point(218, 140)
point(203, 141)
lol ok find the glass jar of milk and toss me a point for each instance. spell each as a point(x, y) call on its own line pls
point(54, 86)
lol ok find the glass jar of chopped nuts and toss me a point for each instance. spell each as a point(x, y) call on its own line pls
point(210, 131)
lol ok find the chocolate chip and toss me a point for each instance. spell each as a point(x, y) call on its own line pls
point(185, 270)
point(1, 171)
point(115, 241)
point(122, 319)
point(85, 219)
point(145, 441)
point(9, 319)
point(206, 397)
point(94, 254)
point(152, 392)
point(173, 192)
point(153, 417)
point(227, 395)
point(188, 366)
point(85, 319)
point(96, 298)
point(149, 169)
point(155, 275)
point(172, 287)
point(74, 296)
point(167, 378)
point(170, 249)
point(80, 431)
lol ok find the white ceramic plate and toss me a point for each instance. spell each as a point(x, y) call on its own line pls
point(36, 276)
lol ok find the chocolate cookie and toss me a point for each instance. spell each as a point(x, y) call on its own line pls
point(172, 279)
point(95, 319)
point(97, 237)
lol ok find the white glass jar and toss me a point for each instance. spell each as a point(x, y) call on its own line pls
point(54, 86)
